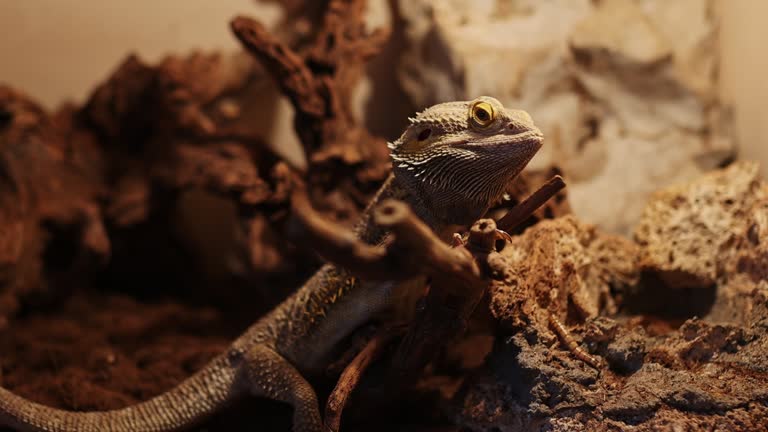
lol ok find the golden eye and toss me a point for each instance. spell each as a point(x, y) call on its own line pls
point(482, 114)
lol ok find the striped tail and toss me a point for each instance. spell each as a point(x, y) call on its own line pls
point(186, 404)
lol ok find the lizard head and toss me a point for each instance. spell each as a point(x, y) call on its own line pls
point(457, 158)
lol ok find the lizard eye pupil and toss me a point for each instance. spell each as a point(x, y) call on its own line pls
point(424, 134)
point(481, 114)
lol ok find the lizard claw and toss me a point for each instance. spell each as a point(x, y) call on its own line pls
point(504, 235)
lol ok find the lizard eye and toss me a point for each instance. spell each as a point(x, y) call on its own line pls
point(424, 134)
point(482, 114)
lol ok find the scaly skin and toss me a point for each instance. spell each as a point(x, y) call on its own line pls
point(450, 165)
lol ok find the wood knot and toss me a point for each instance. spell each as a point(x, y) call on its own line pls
point(482, 236)
point(390, 212)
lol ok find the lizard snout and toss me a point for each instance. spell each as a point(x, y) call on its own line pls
point(521, 122)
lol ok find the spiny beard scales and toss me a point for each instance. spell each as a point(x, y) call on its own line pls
point(466, 184)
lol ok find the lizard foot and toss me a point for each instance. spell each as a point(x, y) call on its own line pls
point(503, 235)
point(272, 376)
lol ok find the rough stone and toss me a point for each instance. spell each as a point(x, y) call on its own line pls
point(688, 232)
point(559, 266)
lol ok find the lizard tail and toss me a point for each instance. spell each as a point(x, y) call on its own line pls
point(184, 405)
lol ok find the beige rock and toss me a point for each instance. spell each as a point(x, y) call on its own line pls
point(693, 234)
point(624, 32)
point(750, 256)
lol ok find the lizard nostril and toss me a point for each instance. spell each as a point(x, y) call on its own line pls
point(518, 127)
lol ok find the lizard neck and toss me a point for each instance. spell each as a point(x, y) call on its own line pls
point(438, 203)
point(394, 187)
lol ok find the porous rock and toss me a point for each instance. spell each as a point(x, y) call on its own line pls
point(692, 233)
point(559, 266)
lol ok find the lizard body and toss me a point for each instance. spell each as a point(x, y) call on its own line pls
point(450, 165)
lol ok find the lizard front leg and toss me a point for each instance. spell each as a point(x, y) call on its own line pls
point(272, 376)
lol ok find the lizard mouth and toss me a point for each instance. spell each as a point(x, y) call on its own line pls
point(533, 138)
point(532, 135)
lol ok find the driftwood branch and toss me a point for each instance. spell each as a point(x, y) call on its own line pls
point(318, 82)
point(414, 240)
point(413, 250)
point(292, 75)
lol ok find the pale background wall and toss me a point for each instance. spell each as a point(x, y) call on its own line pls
point(744, 73)
point(55, 51)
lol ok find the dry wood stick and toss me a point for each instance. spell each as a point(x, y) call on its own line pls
point(353, 373)
point(519, 213)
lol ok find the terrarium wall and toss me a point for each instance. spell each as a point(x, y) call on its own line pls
point(744, 65)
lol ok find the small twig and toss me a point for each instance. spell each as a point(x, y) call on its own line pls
point(570, 343)
point(519, 213)
point(353, 372)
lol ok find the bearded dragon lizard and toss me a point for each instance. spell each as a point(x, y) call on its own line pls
point(450, 165)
